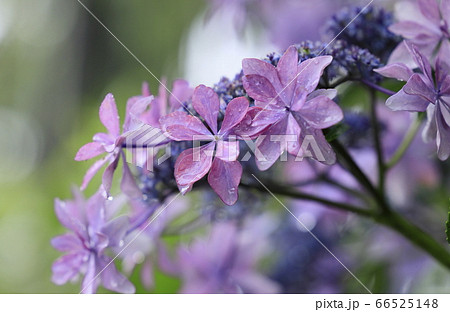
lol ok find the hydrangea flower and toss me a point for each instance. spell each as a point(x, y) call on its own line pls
point(91, 234)
point(425, 23)
point(225, 262)
point(111, 144)
point(423, 92)
point(219, 157)
point(290, 104)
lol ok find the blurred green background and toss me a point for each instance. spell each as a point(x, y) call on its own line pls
point(57, 63)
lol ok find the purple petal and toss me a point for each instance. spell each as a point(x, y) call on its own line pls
point(181, 93)
point(69, 214)
point(227, 150)
point(95, 211)
point(92, 171)
point(91, 281)
point(268, 150)
point(67, 242)
point(135, 109)
point(430, 9)
point(445, 10)
point(128, 184)
point(310, 71)
point(252, 66)
point(260, 89)
point(67, 267)
point(206, 103)
point(234, 113)
point(180, 126)
point(293, 129)
point(109, 116)
point(430, 129)
point(321, 112)
point(287, 72)
point(115, 230)
point(416, 86)
point(421, 60)
point(224, 179)
point(401, 54)
point(89, 150)
point(267, 117)
point(115, 281)
point(245, 129)
point(109, 173)
point(147, 277)
point(443, 132)
point(145, 89)
point(405, 102)
point(192, 165)
point(329, 93)
point(397, 70)
point(255, 283)
point(442, 64)
point(166, 264)
point(411, 30)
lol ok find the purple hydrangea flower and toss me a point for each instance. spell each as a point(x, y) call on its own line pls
point(425, 23)
point(194, 163)
point(225, 262)
point(423, 92)
point(92, 232)
point(291, 106)
point(111, 144)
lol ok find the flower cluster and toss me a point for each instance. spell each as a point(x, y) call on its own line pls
point(282, 108)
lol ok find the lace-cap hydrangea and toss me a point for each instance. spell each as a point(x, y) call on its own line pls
point(92, 232)
point(423, 92)
point(219, 157)
point(290, 105)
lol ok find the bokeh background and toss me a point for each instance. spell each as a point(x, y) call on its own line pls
point(56, 65)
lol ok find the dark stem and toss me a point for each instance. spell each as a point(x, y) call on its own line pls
point(377, 87)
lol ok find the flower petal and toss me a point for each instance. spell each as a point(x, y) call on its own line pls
point(330, 93)
point(115, 230)
point(443, 133)
point(252, 66)
point(109, 173)
point(421, 60)
point(128, 183)
point(227, 150)
point(396, 70)
point(321, 112)
point(89, 150)
point(245, 129)
point(430, 9)
point(310, 71)
point(192, 165)
point(70, 215)
point(92, 171)
point(287, 72)
point(67, 267)
point(430, 129)
point(405, 102)
point(260, 89)
point(180, 126)
point(67, 242)
point(113, 280)
point(206, 103)
point(109, 116)
point(417, 86)
point(90, 282)
point(181, 93)
point(234, 113)
point(224, 178)
point(256, 283)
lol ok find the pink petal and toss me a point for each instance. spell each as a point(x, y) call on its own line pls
point(227, 150)
point(224, 178)
point(430, 9)
point(67, 242)
point(109, 173)
point(321, 112)
point(442, 65)
point(267, 117)
point(180, 126)
point(293, 130)
point(109, 116)
point(310, 71)
point(445, 10)
point(181, 93)
point(92, 171)
point(416, 86)
point(287, 72)
point(192, 165)
point(135, 109)
point(260, 89)
point(411, 30)
point(145, 89)
point(252, 66)
point(245, 129)
point(206, 103)
point(234, 113)
point(405, 102)
point(89, 150)
point(397, 70)
point(268, 150)
point(330, 93)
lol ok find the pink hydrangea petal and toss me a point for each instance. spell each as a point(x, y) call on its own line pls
point(396, 70)
point(224, 179)
point(287, 72)
point(181, 92)
point(321, 112)
point(180, 126)
point(330, 93)
point(252, 66)
point(227, 150)
point(268, 150)
point(260, 89)
point(245, 129)
point(402, 101)
point(109, 116)
point(267, 117)
point(234, 113)
point(417, 86)
point(135, 109)
point(89, 150)
point(206, 103)
point(293, 129)
point(310, 71)
point(92, 171)
point(430, 9)
point(108, 174)
point(329, 157)
point(193, 164)
point(145, 89)
point(67, 242)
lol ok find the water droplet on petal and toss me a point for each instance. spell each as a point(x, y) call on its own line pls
point(109, 197)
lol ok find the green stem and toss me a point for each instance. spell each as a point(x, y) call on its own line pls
point(407, 140)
